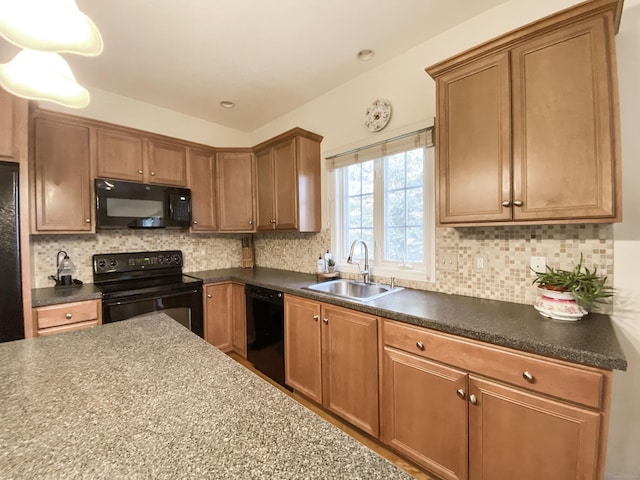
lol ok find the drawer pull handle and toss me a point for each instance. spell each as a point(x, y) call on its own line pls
point(460, 393)
point(473, 399)
point(208, 295)
point(420, 345)
point(325, 320)
point(68, 316)
point(316, 317)
point(87, 220)
point(528, 376)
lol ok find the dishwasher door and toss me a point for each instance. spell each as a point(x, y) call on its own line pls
point(265, 331)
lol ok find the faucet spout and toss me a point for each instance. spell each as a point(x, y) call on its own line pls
point(365, 272)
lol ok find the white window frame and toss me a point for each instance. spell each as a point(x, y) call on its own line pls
point(424, 272)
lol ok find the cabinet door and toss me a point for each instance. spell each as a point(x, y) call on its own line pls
point(350, 366)
point(302, 347)
point(563, 124)
point(119, 155)
point(239, 322)
point(218, 311)
point(61, 161)
point(514, 434)
point(285, 185)
point(202, 164)
point(234, 172)
point(6, 124)
point(423, 416)
point(266, 219)
point(473, 149)
point(166, 163)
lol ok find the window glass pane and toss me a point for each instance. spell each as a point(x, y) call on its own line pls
point(353, 183)
point(395, 208)
point(415, 167)
point(394, 243)
point(358, 203)
point(415, 245)
point(367, 211)
point(354, 212)
point(395, 171)
point(367, 177)
point(415, 206)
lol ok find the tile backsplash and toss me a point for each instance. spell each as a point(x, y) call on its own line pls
point(506, 252)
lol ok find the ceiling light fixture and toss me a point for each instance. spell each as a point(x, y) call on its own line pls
point(50, 26)
point(227, 104)
point(43, 76)
point(365, 55)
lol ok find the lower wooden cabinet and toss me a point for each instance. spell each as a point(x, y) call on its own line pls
point(66, 317)
point(331, 357)
point(536, 418)
point(224, 317)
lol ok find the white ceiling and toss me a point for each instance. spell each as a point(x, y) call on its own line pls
point(267, 56)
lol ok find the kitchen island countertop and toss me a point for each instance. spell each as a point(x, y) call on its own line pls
point(146, 398)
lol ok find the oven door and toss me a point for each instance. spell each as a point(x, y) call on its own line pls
point(184, 306)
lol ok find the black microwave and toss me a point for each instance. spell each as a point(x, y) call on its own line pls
point(138, 205)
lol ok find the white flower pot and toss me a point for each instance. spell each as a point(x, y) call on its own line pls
point(559, 305)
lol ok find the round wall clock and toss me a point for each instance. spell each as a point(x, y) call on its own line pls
point(378, 115)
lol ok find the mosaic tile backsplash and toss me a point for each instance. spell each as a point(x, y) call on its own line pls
point(506, 252)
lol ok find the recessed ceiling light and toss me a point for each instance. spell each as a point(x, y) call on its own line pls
point(227, 104)
point(365, 55)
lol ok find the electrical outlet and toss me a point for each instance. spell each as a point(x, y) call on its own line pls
point(481, 262)
point(537, 264)
point(448, 261)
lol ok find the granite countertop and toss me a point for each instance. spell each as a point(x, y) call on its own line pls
point(590, 341)
point(41, 297)
point(146, 398)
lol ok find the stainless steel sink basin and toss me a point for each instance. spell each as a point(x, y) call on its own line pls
point(353, 290)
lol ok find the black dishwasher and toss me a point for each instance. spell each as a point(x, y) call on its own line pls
point(265, 331)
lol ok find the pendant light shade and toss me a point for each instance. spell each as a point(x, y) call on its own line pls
point(43, 76)
point(49, 25)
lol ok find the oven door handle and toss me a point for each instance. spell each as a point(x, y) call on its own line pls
point(115, 301)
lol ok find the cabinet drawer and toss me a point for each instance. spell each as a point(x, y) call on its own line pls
point(67, 314)
point(577, 384)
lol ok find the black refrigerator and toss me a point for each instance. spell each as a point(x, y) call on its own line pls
point(11, 322)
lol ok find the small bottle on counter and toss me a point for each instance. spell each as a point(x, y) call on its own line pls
point(320, 265)
point(327, 256)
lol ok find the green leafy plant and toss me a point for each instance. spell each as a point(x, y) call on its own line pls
point(587, 286)
point(331, 262)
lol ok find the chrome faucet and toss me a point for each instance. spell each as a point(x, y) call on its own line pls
point(365, 272)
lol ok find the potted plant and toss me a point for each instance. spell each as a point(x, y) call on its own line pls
point(569, 294)
point(331, 265)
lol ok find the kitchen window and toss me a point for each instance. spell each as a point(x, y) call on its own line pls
point(383, 194)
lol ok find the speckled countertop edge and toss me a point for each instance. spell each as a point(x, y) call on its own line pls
point(591, 341)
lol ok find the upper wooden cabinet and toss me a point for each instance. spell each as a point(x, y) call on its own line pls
point(288, 182)
point(235, 177)
point(128, 155)
point(62, 188)
point(7, 125)
point(202, 181)
point(527, 124)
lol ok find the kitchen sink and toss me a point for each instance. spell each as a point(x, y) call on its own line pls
point(353, 290)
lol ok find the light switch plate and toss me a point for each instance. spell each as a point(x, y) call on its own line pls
point(448, 261)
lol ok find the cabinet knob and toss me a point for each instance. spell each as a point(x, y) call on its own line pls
point(460, 393)
point(87, 220)
point(208, 295)
point(420, 345)
point(473, 399)
point(272, 221)
point(316, 317)
point(140, 172)
point(250, 222)
point(195, 222)
point(153, 174)
point(518, 203)
point(528, 376)
point(68, 315)
point(325, 320)
point(506, 203)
